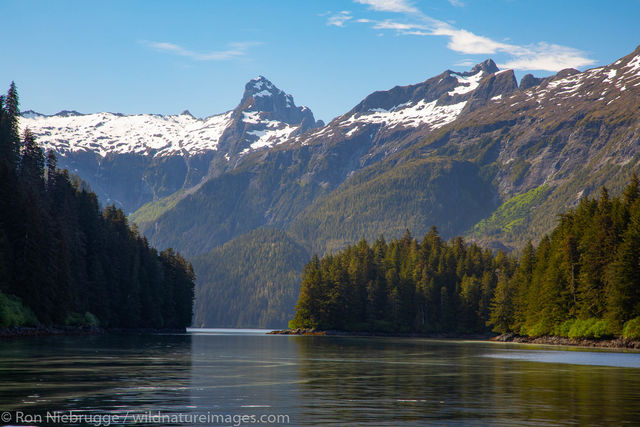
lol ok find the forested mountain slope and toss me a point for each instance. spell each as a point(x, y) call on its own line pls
point(251, 281)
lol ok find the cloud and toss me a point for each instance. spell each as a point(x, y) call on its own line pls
point(465, 63)
point(464, 41)
point(391, 25)
point(400, 6)
point(339, 19)
point(234, 50)
point(541, 56)
point(456, 3)
point(549, 57)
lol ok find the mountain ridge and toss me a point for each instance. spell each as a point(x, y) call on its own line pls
point(130, 160)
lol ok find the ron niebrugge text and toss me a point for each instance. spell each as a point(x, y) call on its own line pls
point(149, 417)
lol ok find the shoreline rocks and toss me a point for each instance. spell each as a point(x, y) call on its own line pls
point(618, 342)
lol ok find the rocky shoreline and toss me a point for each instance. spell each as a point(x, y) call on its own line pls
point(546, 340)
point(618, 342)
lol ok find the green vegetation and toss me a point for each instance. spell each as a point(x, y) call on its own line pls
point(586, 272)
point(512, 215)
point(631, 329)
point(582, 281)
point(251, 281)
point(13, 313)
point(61, 255)
point(153, 210)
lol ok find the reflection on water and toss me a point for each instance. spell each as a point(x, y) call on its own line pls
point(321, 380)
point(226, 331)
point(107, 373)
point(620, 360)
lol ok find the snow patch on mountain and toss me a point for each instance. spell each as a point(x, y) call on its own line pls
point(274, 134)
point(634, 65)
point(412, 115)
point(466, 84)
point(148, 134)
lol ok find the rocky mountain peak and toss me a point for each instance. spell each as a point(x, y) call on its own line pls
point(260, 87)
point(68, 113)
point(487, 66)
point(262, 97)
point(31, 114)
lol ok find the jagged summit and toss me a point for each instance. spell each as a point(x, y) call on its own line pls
point(261, 95)
point(261, 87)
point(487, 66)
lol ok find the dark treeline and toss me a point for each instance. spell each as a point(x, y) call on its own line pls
point(64, 261)
point(404, 285)
point(581, 281)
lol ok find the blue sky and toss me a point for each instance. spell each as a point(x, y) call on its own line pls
point(167, 56)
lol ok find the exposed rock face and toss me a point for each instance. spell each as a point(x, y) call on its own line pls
point(529, 81)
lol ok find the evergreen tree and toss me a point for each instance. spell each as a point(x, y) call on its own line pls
point(65, 260)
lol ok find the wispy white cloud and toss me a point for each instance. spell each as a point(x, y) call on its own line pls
point(546, 56)
point(456, 3)
point(540, 56)
point(464, 41)
point(339, 19)
point(465, 63)
point(400, 6)
point(234, 50)
point(399, 26)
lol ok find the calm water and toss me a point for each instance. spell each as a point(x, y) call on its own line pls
point(315, 380)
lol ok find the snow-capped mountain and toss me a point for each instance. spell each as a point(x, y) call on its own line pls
point(266, 116)
point(433, 103)
point(147, 134)
point(130, 160)
point(386, 121)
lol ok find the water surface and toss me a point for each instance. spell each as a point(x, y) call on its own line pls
point(320, 380)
